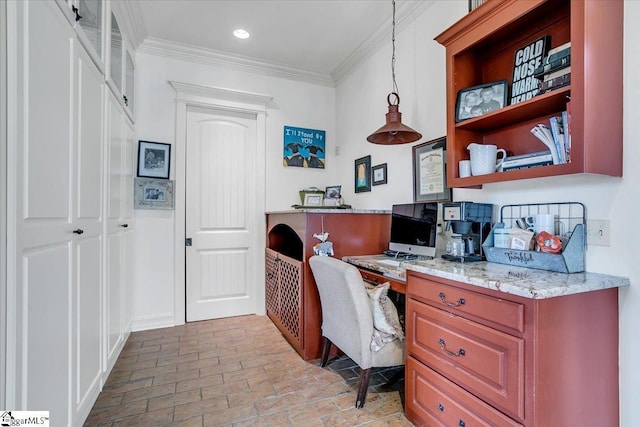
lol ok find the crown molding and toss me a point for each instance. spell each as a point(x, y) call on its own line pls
point(406, 13)
point(129, 15)
point(184, 52)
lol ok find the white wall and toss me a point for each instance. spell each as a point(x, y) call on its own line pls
point(294, 104)
point(420, 74)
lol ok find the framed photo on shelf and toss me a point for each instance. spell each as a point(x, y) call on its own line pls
point(312, 199)
point(362, 174)
point(430, 172)
point(475, 3)
point(150, 193)
point(379, 174)
point(479, 100)
point(153, 159)
point(332, 192)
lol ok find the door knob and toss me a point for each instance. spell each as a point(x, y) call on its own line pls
point(124, 225)
point(78, 231)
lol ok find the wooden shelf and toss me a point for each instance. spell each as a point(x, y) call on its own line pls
point(480, 49)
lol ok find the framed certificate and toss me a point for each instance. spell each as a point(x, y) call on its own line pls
point(430, 172)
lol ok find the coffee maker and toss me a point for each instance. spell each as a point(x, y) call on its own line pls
point(470, 223)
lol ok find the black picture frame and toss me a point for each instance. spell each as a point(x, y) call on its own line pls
point(154, 159)
point(474, 4)
point(362, 174)
point(471, 103)
point(430, 171)
point(332, 192)
point(379, 174)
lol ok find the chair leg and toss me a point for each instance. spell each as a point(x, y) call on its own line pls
point(326, 349)
point(362, 387)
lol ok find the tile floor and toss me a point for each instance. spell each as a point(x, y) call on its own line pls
point(237, 372)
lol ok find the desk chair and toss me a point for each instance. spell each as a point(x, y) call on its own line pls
point(347, 320)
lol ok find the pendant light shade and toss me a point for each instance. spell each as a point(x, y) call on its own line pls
point(394, 132)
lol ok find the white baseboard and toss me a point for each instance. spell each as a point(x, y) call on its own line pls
point(153, 322)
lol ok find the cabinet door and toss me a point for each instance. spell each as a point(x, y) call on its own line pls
point(90, 26)
point(127, 224)
point(87, 216)
point(43, 198)
point(115, 56)
point(113, 260)
point(129, 79)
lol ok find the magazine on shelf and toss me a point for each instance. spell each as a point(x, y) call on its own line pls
point(557, 131)
point(543, 133)
point(566, 119)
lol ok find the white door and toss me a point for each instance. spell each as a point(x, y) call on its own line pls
point(220, 214)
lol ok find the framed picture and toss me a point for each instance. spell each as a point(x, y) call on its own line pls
point(379, 174)
point(332, 192)
point(313, 199)
point(363, 174)
point(430, 172)
point(153, 159)
point(482, 99)
point(150, 193)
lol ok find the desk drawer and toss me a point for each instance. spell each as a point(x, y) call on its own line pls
point(439, 402)
point(379, 279)
point(485, 361)
point(481, 308)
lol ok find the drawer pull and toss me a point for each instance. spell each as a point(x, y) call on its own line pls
point(443, 298)
point(440, 407)
point(443, 346)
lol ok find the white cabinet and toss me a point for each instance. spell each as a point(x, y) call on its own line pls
point(70, 166)
point(121, 65)
point(119, 230)
point(88, 19)
point(57, 217)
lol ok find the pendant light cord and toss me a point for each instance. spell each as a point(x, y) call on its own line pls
point(393, 47)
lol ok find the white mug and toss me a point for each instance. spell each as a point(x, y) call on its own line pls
point(464, 166)
point(484, 158)
point(545, 222)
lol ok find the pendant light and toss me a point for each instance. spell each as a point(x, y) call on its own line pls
point(394, 132)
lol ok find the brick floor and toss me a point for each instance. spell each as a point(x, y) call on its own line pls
point(238, 371)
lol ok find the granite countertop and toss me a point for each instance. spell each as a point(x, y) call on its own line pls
point(328, 210)
point(521, 281)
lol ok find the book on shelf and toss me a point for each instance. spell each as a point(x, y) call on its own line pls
point(527, 166)
point(557, 131)
point(554, 83)
point(560, 48)
point(558, 54)
point(566, 123)
point(555, 65)
point(557, 73)
point(527, 159)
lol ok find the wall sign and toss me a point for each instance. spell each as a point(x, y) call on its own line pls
point(304, 148)
point(524, 85)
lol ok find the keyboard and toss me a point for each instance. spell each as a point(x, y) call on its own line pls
point(400, 255)
point(390, 262)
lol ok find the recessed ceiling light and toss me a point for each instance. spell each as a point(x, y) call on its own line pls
point(241, 34)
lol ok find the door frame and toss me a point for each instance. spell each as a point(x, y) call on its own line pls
point(189, 95)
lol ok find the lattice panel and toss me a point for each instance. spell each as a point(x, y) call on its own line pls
point(290, 286)
point(271, 282)
point(283, 282)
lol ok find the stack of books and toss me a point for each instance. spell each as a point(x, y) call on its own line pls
point(555, 72)
point(528, 160)
point(557, 137)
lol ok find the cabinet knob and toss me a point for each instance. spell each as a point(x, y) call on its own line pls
point(124, 225)
point(443, 298)
point(78, 231)
point(440, 407)
point(461, 423)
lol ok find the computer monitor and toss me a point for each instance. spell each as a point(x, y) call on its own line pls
point(414, 228)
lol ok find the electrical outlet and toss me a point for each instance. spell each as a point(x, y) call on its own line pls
point(598, 232)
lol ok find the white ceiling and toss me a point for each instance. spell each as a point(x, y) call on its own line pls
point(315, 36)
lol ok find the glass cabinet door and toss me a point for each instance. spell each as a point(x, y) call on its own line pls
point(91, 22)
point(116, 53)
point(128, 81)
